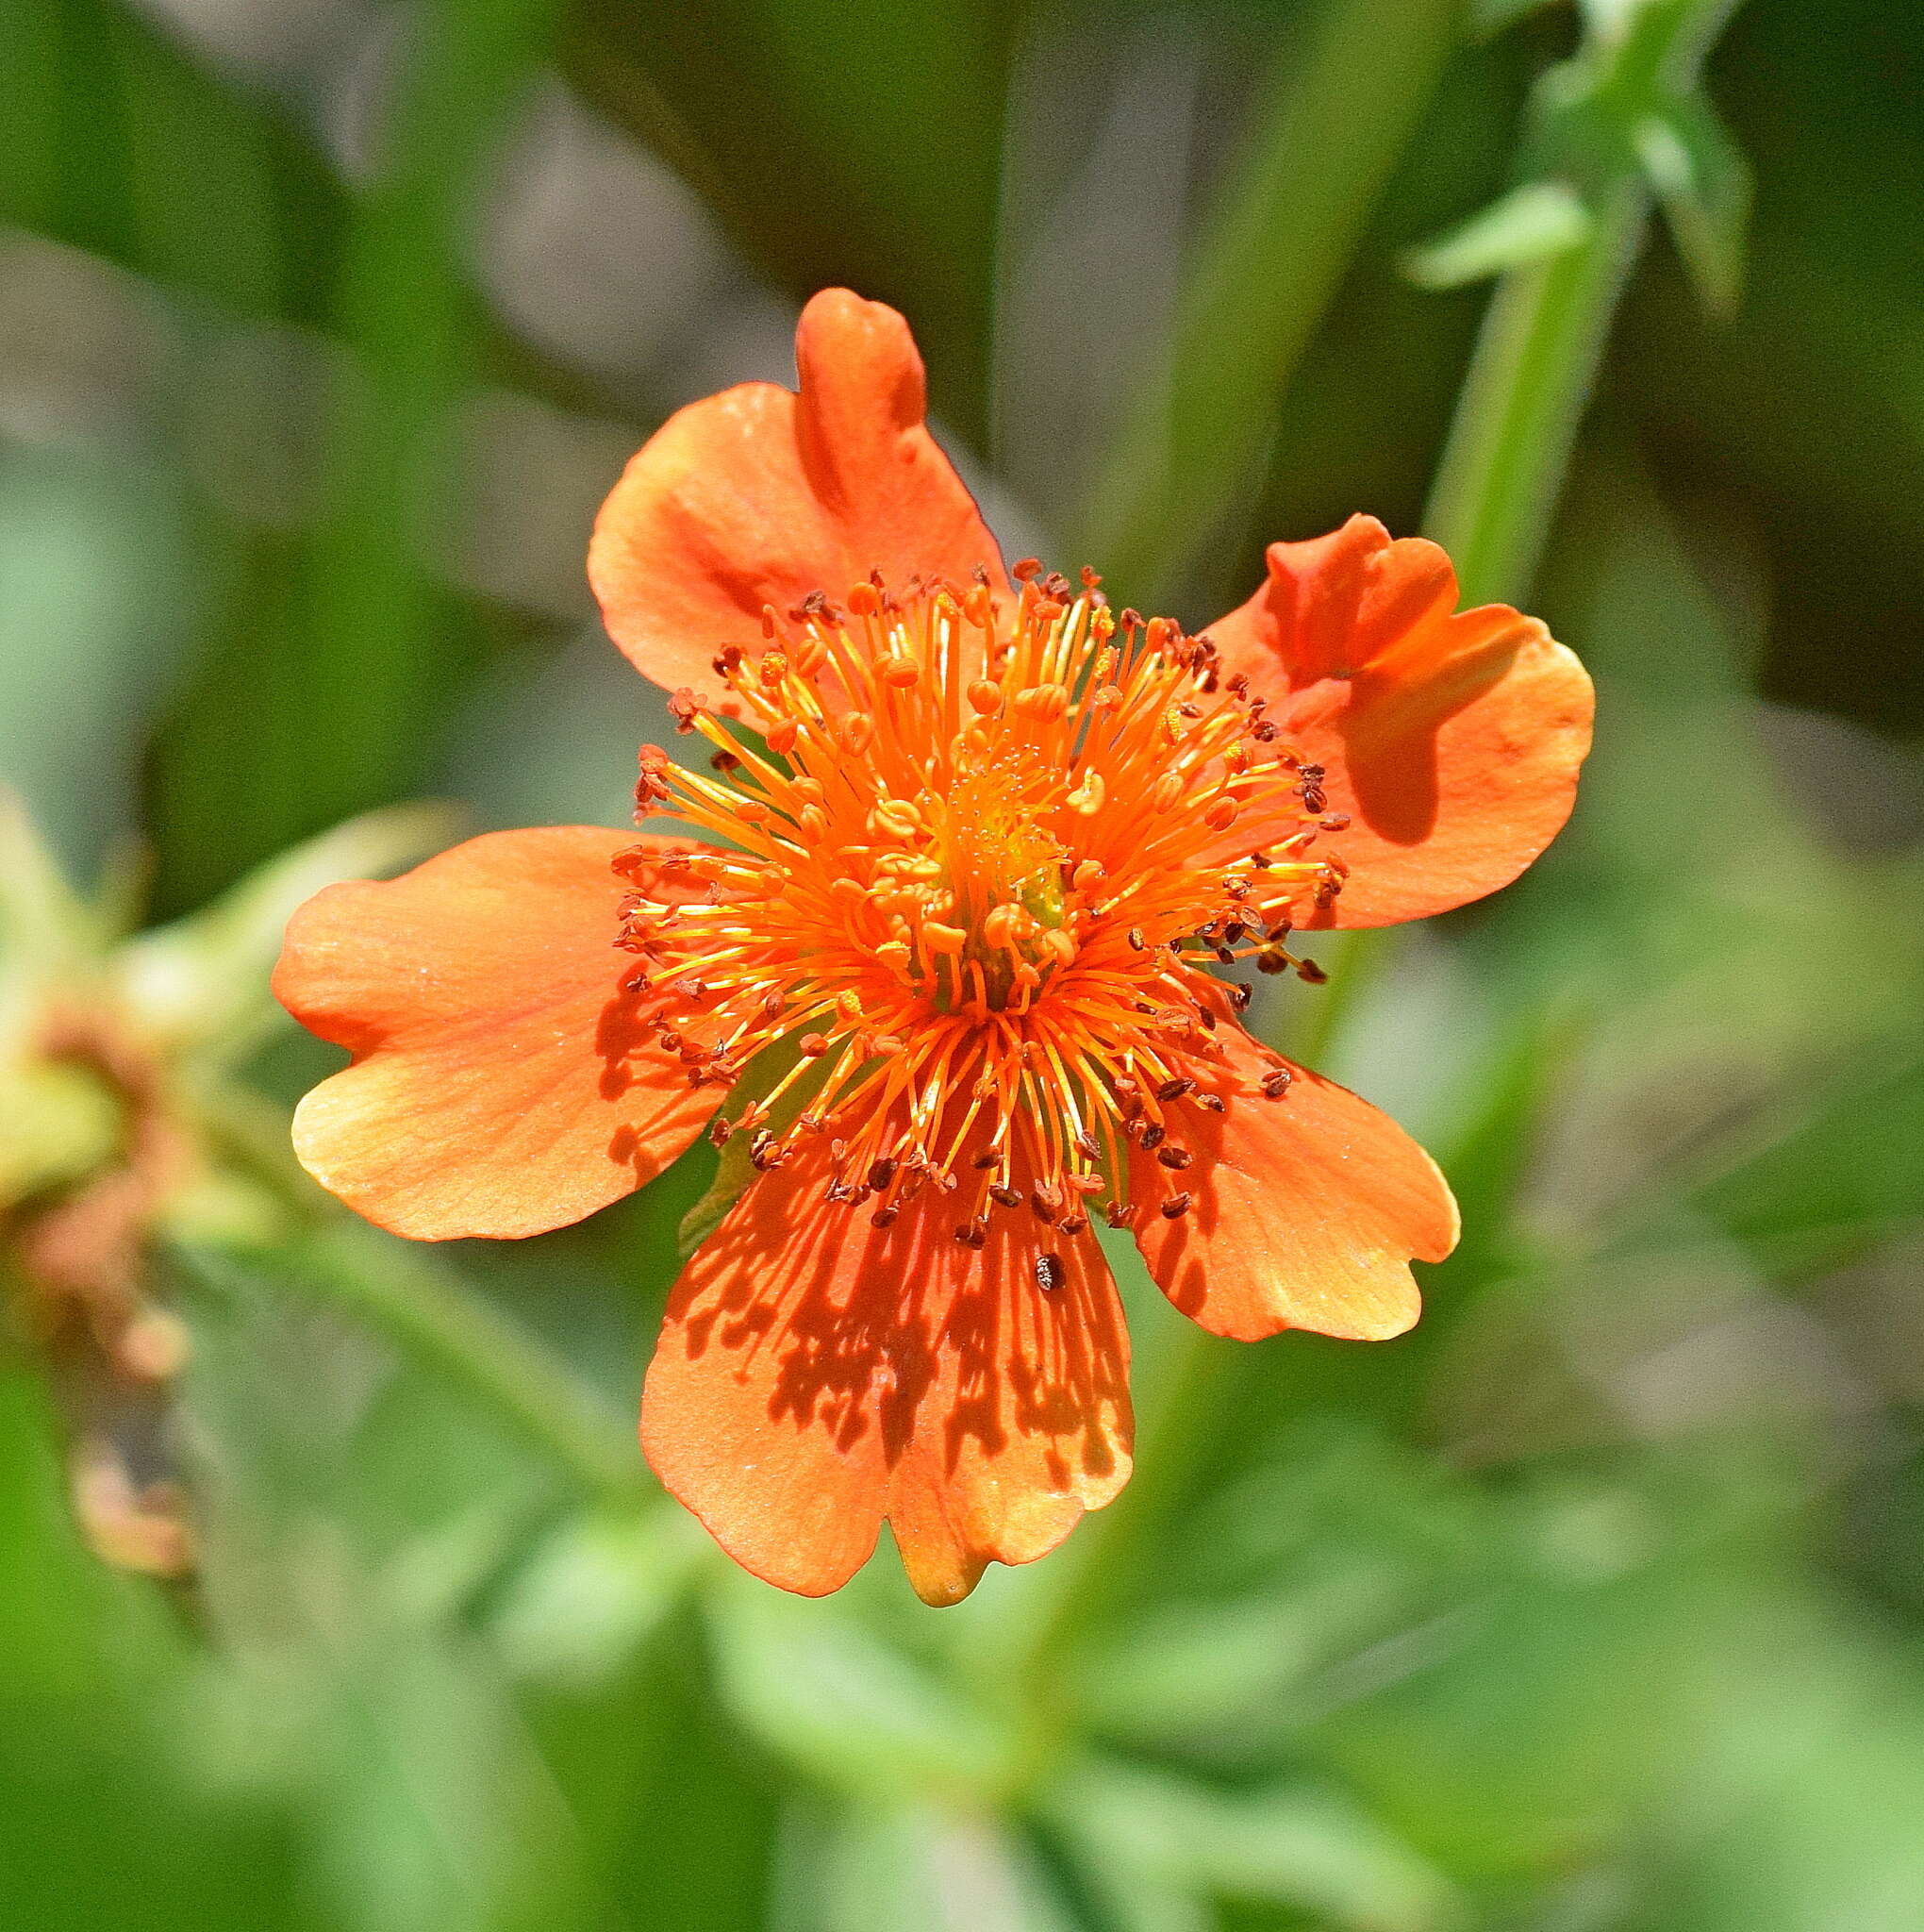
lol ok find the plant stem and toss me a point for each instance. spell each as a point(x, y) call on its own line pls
point(1509, 446)
point(1341, 114)
point(410, 1302)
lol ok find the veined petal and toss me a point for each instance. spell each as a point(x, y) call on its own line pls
point(1305, 1211)
point(760, 496)
point(1450, 740)
point(501, 1085)
point(817, 1374)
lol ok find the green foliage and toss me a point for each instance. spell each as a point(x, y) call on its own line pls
point(1593, 1603)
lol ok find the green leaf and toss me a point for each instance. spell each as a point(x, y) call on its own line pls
point(1702, 184)
point(820, 1689)
point(1530, 223)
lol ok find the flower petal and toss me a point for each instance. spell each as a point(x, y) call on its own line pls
point(1304, 1211)
point(500, 1084)
point(1453, 742)
point(761, 496)
point(817, 1373)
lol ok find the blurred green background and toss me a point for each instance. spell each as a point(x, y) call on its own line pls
point(334, 1596)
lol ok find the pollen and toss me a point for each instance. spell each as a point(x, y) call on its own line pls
point(974, 862)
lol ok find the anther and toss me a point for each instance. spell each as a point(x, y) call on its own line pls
point(1073, 1224)
point(1005, 1196)
point(1276, 1083)
point(1152, 1137)
point(972, 1234)
point(881, 1175)
point(1048, 1272)
point(1174, 1089)
point(1174, 1156)
point(1175, 1206)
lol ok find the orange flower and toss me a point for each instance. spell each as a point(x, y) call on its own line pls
point(968, 900)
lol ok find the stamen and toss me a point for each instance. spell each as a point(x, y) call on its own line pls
point(971, 886)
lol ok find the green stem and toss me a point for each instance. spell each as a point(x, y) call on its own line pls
point(1516, 422)
point(422, 1308)
point(1342, 112)
point(447, 1330)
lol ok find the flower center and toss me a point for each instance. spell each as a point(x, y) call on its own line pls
point(970, 885)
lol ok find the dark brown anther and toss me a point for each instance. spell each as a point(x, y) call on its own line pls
point(988, 1158)
point(1276, 1083)
point(1146, 1006)
point(764, 1152)
point(1153, 1137)
point(1281, 931)
point(1272, 962)
point(1046, 1202)
point(1174, 1156)
point(839, 1192)
point(972, 1234)
point(1261, 861)
point(884, 1217)
point(1240, 996)
point(671, 1040)
point(1135, 938)
point(1175, 1206)
point(719, 1130)
point(1048, 1272)
point(1311, 973)
point(1238, 686)
point(1224, 956)
point(881, 1175)
point(1212, 1101)
point(1174, 1089)
point(1335, 821)
point(1264, 731)
point(1073, 1224)
point(1088, 1146)
point(1235, 933)
point(725, 763)
point(1118, 1213)
point(1004, 1196)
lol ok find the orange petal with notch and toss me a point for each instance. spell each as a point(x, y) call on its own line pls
point(1451, 739)
point(501, 1085)
point(1305, 1211)
point(817, 1374)
point(760, 495)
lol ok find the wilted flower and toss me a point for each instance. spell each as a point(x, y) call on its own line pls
point(121, 1125)
point(940, 945)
